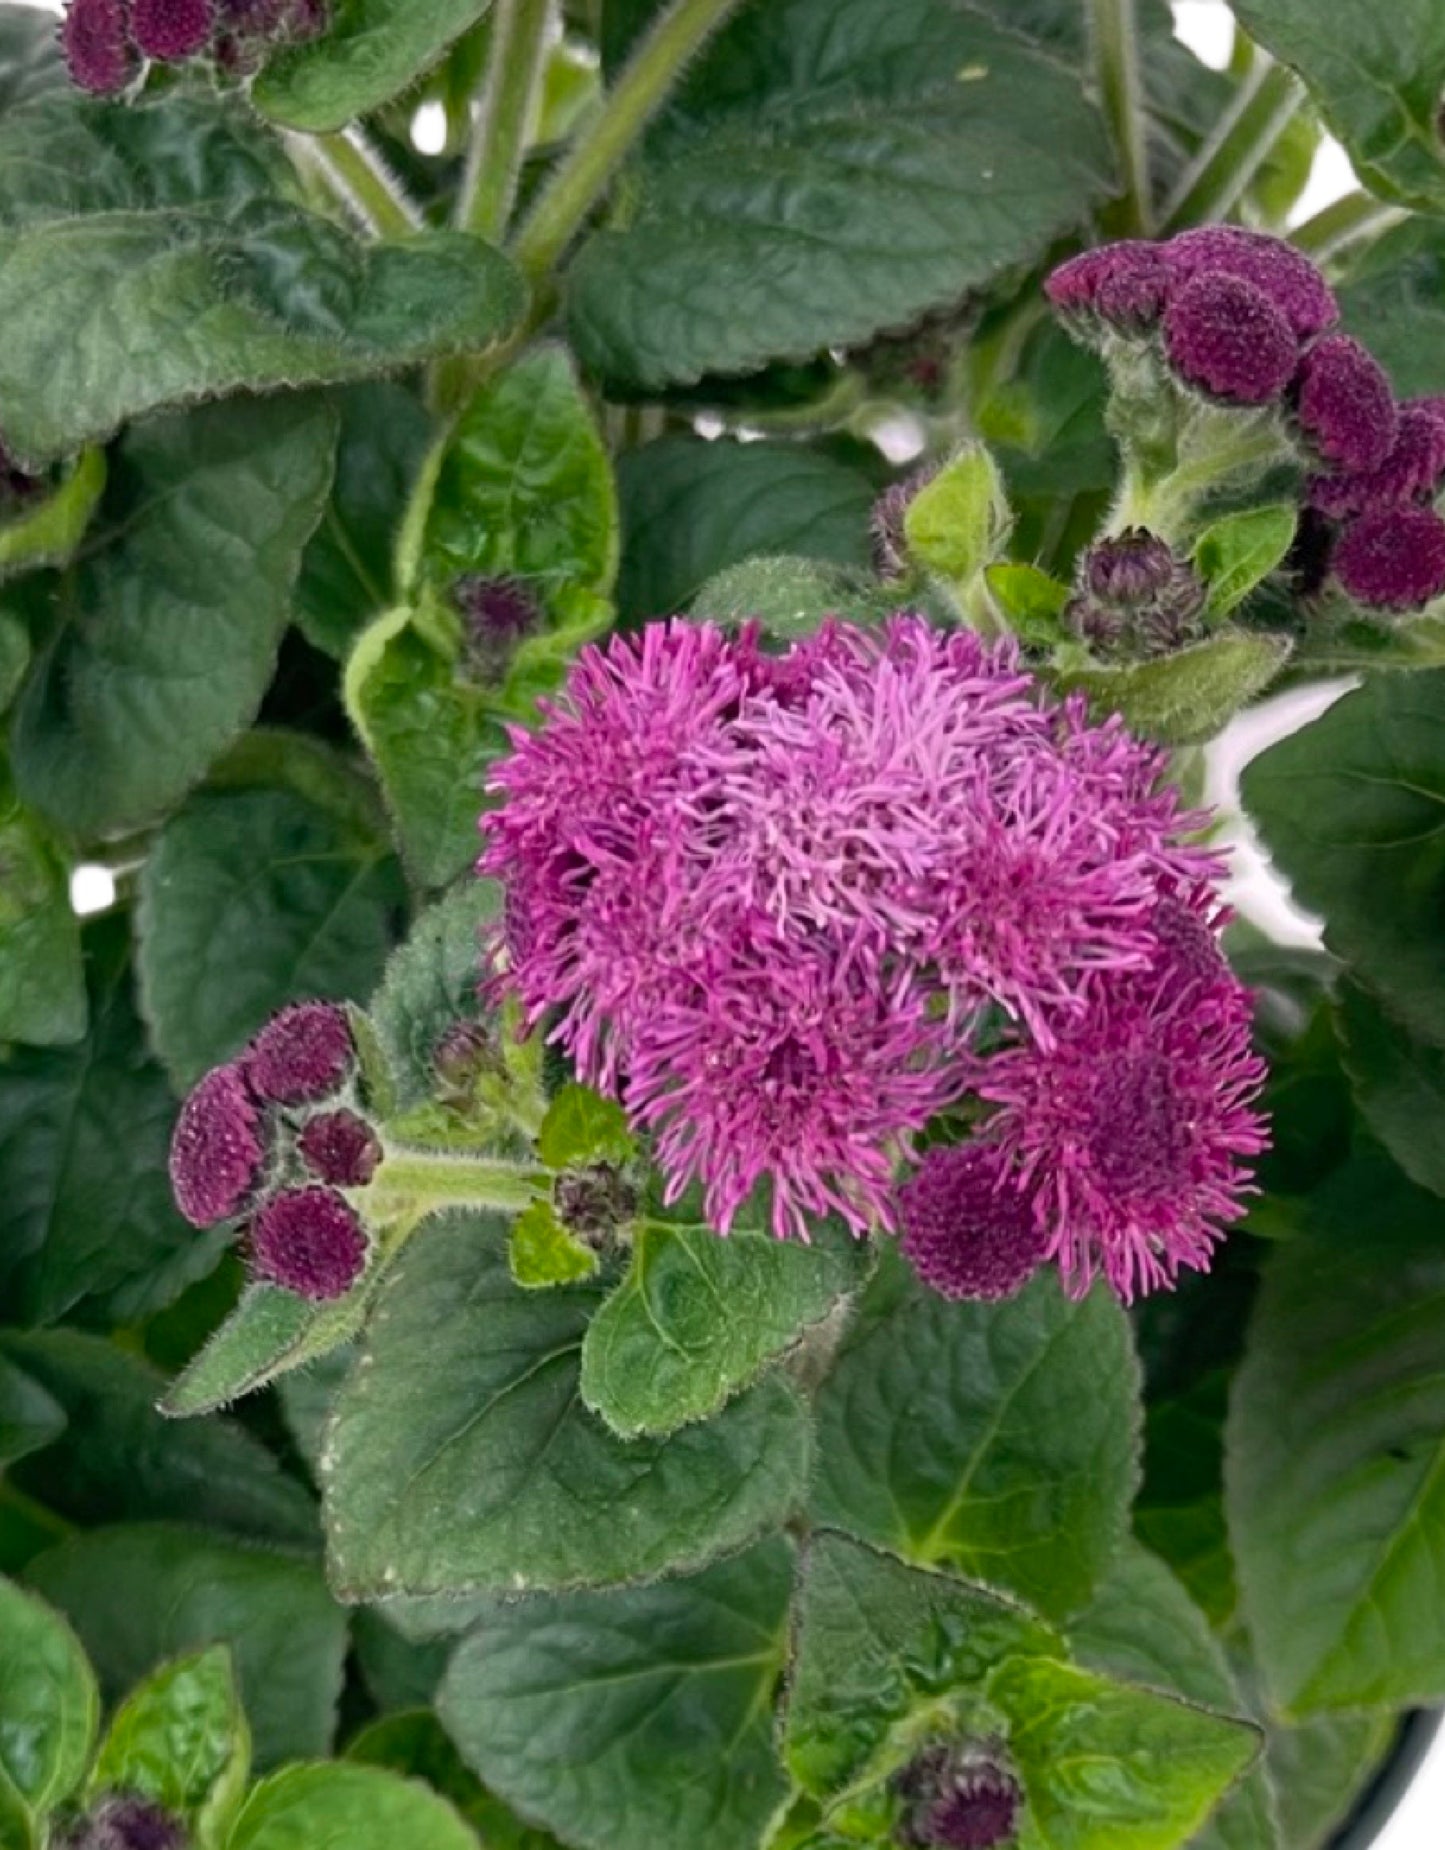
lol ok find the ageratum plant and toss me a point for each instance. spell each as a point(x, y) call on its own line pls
point(662, 1207)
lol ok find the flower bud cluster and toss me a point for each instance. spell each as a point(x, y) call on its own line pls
point(107, 42)
point(123, 1821)
point(272, 1138)
point(956, 1798)
point(1134, 598)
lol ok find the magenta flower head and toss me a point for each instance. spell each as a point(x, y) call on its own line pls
point(217, 1149)
point(1344, 404)
point(1124, 285)
point(171, 29)
point(95, 35)
point(958, 1800)
point(302, 1054)
point(1135, 1128)
point(1278, 270)
point(967, 1230)
point(1412, 471)
point(340, 1148)
point(1392, 558)
point(1225, 337)
point(308, 1240)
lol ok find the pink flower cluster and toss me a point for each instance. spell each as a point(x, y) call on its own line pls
point(1246, 320)
point(791, 908)
point(105, 41)
point(271, 1137)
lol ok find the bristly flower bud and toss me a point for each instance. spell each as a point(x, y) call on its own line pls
point(1134, 598)
point(1393, 558)
point(340, 1148)
point(463, 1053)
point(1123, 285)
point(1344, 404)
point(886, 524)
point(308, 1240)
point(1227, 338)
point(959, 1799)
point(1277, 269)
point(217, 1148)
point(303, 1054)
point(592, 1203)
point(171, 29)
point(125, 1822)
point(968, 1229)
point(497, 614)
point(96, 39)
point(1412, 471)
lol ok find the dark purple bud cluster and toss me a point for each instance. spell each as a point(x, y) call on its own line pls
point(958, 1799)
point(125, 1822)
point(106, 41)
point(1134, 598)
point(964, 1232)
point(497, 614)
point(272, 1136)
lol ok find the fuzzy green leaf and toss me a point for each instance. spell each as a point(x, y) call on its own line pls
point(1394, 299)
point(1399, 1084)
point(583, 1127)
point(542, 1253)
point(30, 60)
point(42, 981)
point(49, 1705)
point(362, 1807)
point(1187, 697)
point(414, 1743)
point(1239, 551)
point(958, 523)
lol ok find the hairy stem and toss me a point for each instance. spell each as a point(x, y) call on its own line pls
point(521, 33)
point(356, 175)
point(442, 1178)
point(1263, 109)
point(1352, 220)
point(587, 171)
point(1114, 35)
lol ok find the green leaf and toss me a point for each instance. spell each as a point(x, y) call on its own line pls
point(1143, 1628)
point(42, 980)
point(140, 1594)
point(1318, 1771)
point(959, 522)
point(541, 1252)
point(1032, 602)
point(635, 1717)
point(415, 1744)
point(370, 52)
point(181, 1741)
point(1377, 80)
point(1187, 697)
point(882, 1650)
point(30, 1419)
point(363, 1807)
point(346, 572)
point(1399, 1084)
point(1393, 300)
point(165, 633)
point(461, 1457)
point(831, 170)
point(48, 533)
point(30, 60)
point(251, 899)
point(1180, 1508)
point(996, 1439)
point(200, 305)
point(14, 656)
point(583, 1127)
point(698, 1317)
point(691, 509)
point(1239, 551)
point(789, 597)
point(49, 1706)
point(1350, 809)
point(1335, 1458)
point(91, 1231)
point(118, 1460)
point(1105, 1766)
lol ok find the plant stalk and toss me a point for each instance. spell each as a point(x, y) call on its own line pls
point(521, 35)
point(1114, 35)
point(590, 164)
point(1213, 182)
point(356, 175)
point(444, 1178)
point(1355, 219)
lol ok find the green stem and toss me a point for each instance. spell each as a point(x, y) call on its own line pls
point(1114, 35)
point(1347, 222)
point(1166, 504)
point(360, 179)
point(1263, 108)
point(521, 35)
point(587, 170)
point(441, 1178)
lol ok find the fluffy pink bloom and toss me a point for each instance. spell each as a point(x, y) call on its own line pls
point(218, 1148)
point(967, 1230)
point(1125, 284)
point(1133, 1130)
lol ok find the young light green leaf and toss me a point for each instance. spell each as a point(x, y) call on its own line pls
point(958, 523)
point(999, 1440)
point(588, 1711)
point(370, 52)
point(141, 1594)
point(1031, 601)
point(583, 1127)
point(166, 631)
point(699, 1317)
point(49, 1705)
point(42, 981)
point(1335, 1460)
point(180, 1740)
point(461, 1457)
point(414, 1743)
point(1187, 697)
point(363, 1807)
point(541, 1252)
point(1239, 551)
point(48, 533)
point(251, 899)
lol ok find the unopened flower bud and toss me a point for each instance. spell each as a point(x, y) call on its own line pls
point(968, 1229)
point(1227, 338)
point(886, 524)
point(125, 1822)
point(1412, 470)
point(217, 1148)
point(464, 1052)
point(303, 1054)
point(959, 1799)
point(1279, 270)
point(1344, 404)
point(592, 1203)
point(308, 1240)
point(340, 1148)
point(1124, 285)
point(1393, 559)
point(1135, 598)
point(171, 29)
point(497, 614)
point(98, 49)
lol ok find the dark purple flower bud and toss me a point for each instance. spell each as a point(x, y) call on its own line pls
point(497, 614)
point(309, 1241)
point(1135, 598)
point(1125, 285)
point(126, 1823)
point(1344, 403)
point(958, 1799)
point(593, 1203)
point(968, 1229)
point(302, 1054)
point(341, 1148)
point(1308, 560)
point(886, 524)
point(1393, 558)
point(217, 1149)
point(96, 38)
point(1280, 271)
point(466, 1051)
point(1227, 338)
point(171, 29)
point(1413, 470)
point(1131, 569)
